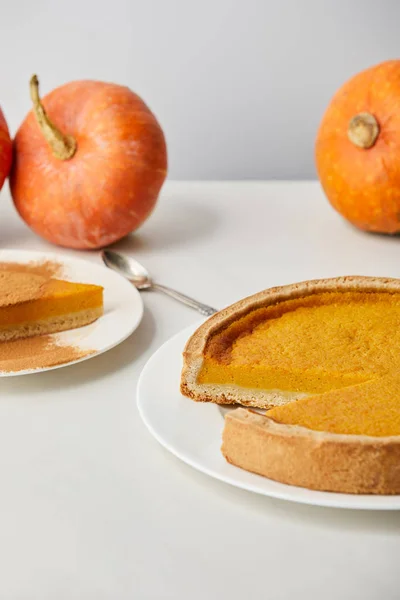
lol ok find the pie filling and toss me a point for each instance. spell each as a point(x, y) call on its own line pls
point(59, 298)
point(341, 349)
point(371, 408)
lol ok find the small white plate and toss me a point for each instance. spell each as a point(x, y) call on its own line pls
point(123, 306)
point(192, 432)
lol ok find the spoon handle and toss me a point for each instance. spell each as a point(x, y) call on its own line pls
point(202, 308)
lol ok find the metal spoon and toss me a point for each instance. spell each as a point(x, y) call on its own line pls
point(135, 272)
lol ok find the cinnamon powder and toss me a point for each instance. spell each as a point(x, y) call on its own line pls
point(37, 352)
point(20, 287)
point(19, 283)
point(46, 268)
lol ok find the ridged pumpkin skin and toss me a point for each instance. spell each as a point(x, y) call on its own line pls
point(109, 186)
point(363, 184)
point(5, 150)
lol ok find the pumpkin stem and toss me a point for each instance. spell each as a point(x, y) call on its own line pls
point(363, 130)
point(62, 146)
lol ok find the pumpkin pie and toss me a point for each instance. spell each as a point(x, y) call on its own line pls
point(323, 358)
point(31, 305)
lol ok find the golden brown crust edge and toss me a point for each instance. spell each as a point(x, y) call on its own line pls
point(51, 325)
point(193, 352)
point(294, 455)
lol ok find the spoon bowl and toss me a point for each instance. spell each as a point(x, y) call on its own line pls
point(129, 268)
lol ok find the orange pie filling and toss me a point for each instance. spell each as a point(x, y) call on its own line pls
point(372, 408)
point(340, 349)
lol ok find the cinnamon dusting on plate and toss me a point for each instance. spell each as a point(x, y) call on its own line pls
point(48, 268)
point(37, 353)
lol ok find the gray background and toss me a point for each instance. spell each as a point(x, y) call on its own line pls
point(239, 86)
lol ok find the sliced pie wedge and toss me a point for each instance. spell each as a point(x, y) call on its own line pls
point(34, 305)
point(317, 460)
point(324, 356)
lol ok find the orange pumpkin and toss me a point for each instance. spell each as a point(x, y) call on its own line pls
point(5, 150)
point(89, 162)
point(358, 149)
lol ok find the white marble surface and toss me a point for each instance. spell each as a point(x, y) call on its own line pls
point(91, 507)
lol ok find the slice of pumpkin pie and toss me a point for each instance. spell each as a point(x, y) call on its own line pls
point(324, 358)
point(34, 305)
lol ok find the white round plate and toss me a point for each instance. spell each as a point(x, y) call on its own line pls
point(123, 306)
point(192, 432)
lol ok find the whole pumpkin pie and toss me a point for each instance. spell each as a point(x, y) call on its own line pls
point(323, 358)
point(32, 305)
